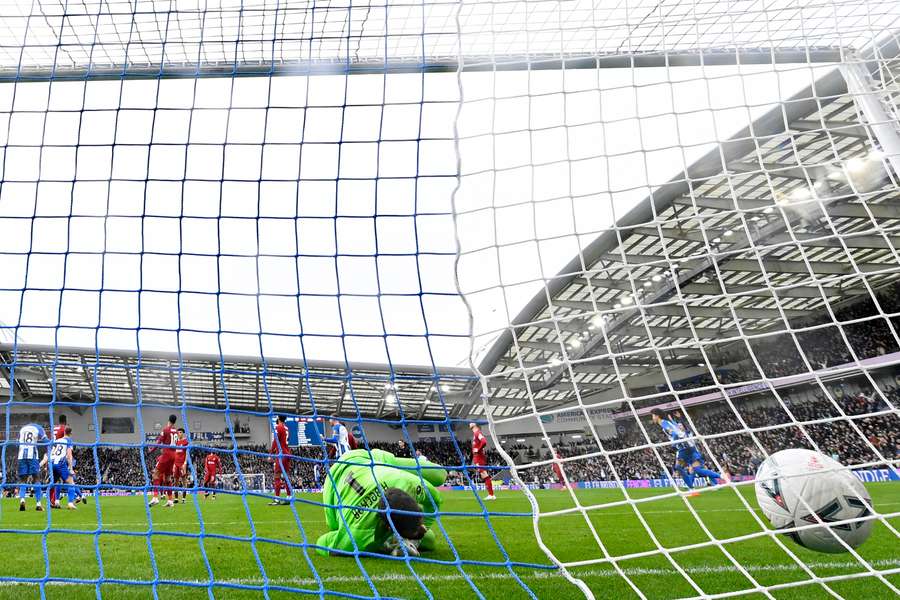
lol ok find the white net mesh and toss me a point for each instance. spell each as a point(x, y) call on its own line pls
point(716, 242)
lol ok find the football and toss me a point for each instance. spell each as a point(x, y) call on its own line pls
point(799, 488)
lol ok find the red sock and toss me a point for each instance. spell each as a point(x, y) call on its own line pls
point(52, 494)
point(490, 486)
point(277, 488)
point(156, 487)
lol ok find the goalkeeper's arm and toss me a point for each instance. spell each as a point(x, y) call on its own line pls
point(343, 539)
point(432, 473)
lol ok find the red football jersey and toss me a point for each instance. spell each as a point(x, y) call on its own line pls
point(478, 443)
point(59, 432)
point(280, 443)
point(181, 451)
point(165, 438)
point(213, 464)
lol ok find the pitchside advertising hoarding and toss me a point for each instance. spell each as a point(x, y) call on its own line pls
point(864, 475)
point(877, 475)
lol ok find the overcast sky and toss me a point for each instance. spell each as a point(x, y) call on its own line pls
point(240, 191)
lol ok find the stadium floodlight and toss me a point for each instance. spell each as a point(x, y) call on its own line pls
point(565, 197)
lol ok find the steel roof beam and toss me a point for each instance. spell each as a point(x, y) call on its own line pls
point(842, 128)
point(588, 368)
point(726, 203)
point(748, 265)
point(851, 240)
point(789, 171)
point(836, 209)
point(826, 240)
point(659, 332)
point(797, 291)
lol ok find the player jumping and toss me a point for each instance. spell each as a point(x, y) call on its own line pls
point(29, 465)
point(281, 461)
point(179, 471)
point(479, 459)
point(213, 470)
point(162, 474)
point(392, 484)
point(689, 461)
point(62, 468)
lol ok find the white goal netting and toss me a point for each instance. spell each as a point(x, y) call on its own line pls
point(711, 234)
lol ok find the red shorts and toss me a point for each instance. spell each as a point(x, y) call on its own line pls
point(479, 460)
point(165, 464)
point(179, 470)
point(283, 463)
point(209, 478)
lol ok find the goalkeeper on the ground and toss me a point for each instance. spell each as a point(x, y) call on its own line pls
point(357, 509)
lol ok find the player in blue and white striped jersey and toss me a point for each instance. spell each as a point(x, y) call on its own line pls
point(31, 438)
point(62, 467)
point(340, 438)
point(689, 461)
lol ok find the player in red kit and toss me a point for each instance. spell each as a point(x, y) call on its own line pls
point(557, 468)
point(479, 458)
point(213, 470)
point(179, 472)
point(165, 464)
point(281, 461)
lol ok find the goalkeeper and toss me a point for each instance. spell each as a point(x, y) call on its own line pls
point(356, 507)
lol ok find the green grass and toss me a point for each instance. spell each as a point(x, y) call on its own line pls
point(76, 548)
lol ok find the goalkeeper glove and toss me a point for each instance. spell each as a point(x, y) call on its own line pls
point(395, 547)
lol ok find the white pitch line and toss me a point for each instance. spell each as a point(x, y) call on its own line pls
point(305, 520)
point(535, 575)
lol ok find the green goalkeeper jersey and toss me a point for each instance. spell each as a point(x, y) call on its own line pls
point(351, 484)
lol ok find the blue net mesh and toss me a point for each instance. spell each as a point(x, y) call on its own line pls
point(184, 241)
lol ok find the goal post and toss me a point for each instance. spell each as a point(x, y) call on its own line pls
point(555, 221)
point(243, 483)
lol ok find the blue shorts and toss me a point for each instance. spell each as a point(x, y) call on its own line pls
point(689, 456)
point(29, 466)
point(61, 472)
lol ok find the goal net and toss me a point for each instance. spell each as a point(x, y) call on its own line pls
point(645, 246)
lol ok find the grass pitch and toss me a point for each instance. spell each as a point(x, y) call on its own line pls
point(109, 550)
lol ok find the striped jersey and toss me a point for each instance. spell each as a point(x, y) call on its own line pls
point(677, 433)
point(29, 437)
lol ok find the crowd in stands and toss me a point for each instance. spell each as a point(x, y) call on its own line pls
point(848, 435)
point(861, 428)
point(821, 343)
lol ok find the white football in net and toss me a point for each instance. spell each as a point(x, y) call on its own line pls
point(798, 488)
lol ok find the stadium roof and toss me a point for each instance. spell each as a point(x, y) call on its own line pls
point(82, 376)
point(797, 211)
